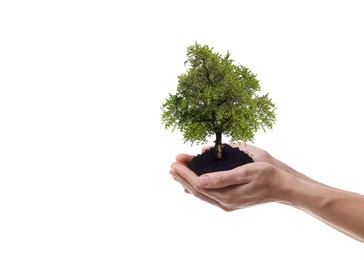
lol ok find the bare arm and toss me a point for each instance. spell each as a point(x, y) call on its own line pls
point(340, 209)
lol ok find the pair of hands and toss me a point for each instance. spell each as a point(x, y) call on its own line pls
point(268, 180)
point(263, 181)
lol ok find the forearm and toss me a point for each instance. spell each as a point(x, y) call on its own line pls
point(340, 209)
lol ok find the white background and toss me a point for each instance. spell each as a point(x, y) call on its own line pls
point(84, 159)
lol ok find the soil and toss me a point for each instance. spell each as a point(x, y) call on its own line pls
point(207, 161)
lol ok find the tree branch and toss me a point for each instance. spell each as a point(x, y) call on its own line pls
point(207, 72)
point(222, 102)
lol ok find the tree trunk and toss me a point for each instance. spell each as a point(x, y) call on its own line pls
point(218, 146)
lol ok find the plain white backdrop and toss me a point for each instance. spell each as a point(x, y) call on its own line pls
point(84, 159)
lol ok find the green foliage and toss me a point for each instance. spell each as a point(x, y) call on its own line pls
point(214, 97)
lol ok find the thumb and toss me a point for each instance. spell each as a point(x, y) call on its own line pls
point(223, 179)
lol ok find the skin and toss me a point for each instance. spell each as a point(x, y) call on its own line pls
point(270, 180)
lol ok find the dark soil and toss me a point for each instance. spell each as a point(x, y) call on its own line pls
point(207, 161)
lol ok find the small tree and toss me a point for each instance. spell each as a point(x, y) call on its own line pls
point(217, 97)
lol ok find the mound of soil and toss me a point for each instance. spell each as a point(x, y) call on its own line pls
point(207, 161)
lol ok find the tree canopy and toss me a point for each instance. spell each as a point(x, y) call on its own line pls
point(217, 97)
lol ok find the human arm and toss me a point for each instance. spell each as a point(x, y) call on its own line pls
point(269, 180)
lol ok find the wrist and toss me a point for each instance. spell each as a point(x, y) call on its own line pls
point(282, 186)
point(304, 194)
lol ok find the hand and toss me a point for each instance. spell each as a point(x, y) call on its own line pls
point(262, 181)
point(244, 186)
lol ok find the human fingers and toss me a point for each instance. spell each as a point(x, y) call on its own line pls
point(221, 179)
point(184, 172)
point(187, 187)
point(189, 180)
point(184, 158)
point(198, 194)
point(224, 193)
point(252, 184)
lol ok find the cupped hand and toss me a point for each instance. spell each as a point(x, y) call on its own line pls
point(241, 187)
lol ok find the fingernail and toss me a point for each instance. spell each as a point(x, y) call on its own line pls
point(204, 180)
point(172, 171)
